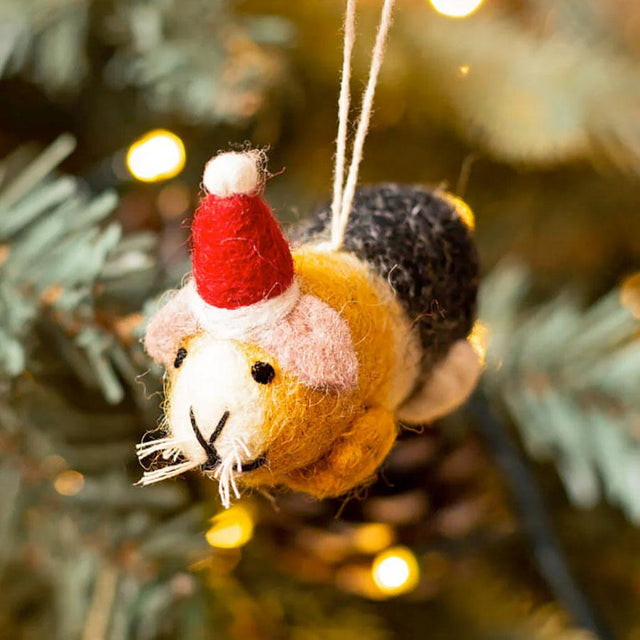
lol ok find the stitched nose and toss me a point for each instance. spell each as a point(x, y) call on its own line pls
point(219, 427)
point(213, 459)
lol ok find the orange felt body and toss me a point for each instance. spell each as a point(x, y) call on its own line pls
point(321, 442)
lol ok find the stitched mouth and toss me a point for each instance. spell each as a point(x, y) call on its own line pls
point(213, 459)
point(255, 464)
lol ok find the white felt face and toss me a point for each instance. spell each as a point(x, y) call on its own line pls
point(215, 409)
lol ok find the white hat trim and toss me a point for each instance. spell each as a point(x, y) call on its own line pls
point(244, 321)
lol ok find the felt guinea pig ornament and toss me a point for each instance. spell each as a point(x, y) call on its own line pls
point(292, 365)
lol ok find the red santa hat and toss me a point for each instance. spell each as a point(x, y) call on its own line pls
point(242, 266)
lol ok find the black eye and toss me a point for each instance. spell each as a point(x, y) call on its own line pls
point(262, 372)
point(180, 356)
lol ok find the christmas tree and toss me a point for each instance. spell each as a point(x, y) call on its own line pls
point(514, 517)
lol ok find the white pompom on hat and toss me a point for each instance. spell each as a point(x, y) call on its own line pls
point(233, 173)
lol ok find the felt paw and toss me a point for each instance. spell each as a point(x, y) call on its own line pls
point(353, 459)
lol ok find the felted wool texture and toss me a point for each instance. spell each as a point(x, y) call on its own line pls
point(406, 346)
point(445, 387)
point(169, 326)
point(321, 440)
point(300, 423)
point(239, 254)
point(326, 424)
point(353, 459)
point(234, 173)
point(347, 285)
point(318, 440)
point(304, 426)
point(243, 321)
point(314, 343)
point(415, 239)
point(292, 425)
point(214, 377)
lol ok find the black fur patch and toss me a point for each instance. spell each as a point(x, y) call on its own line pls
point(416, 241)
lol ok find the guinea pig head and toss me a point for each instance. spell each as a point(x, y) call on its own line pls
point(261, 377)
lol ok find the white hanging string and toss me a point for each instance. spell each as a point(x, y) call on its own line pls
point(340, 216)
point(343, 114)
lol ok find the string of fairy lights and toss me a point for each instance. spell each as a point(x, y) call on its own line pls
point(160, 155)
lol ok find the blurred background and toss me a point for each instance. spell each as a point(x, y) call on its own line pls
point(515, 518)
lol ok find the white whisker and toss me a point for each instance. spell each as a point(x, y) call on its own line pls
point(229, 469)
point(234, 486)
point(224, 488)
point(151, 477)
point(244, 447)
point(224, 494)
point(225, 476)
point(150, 443)
point(145, 449)
point(220, 476)
point(172, 454)
point(232, 476)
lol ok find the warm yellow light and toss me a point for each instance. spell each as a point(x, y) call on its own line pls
point(158, 155)
point(69, 482)
point(455, 8)
point(462, 209)
point(463, 70)
point(630, 294)
point(479, 340)
point(396, 571)
point(372, 537)
point(231, 528)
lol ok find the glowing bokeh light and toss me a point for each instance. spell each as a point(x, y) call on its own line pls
point(455, 8)
point(479, 340)
point(463, 210)
point(395, 571)
point(630, 294)
point(158, 155)
point(231, 529)
point(69, 482)
point(373, 537)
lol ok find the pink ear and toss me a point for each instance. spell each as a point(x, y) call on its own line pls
point(314, 343)
point(169, 326)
